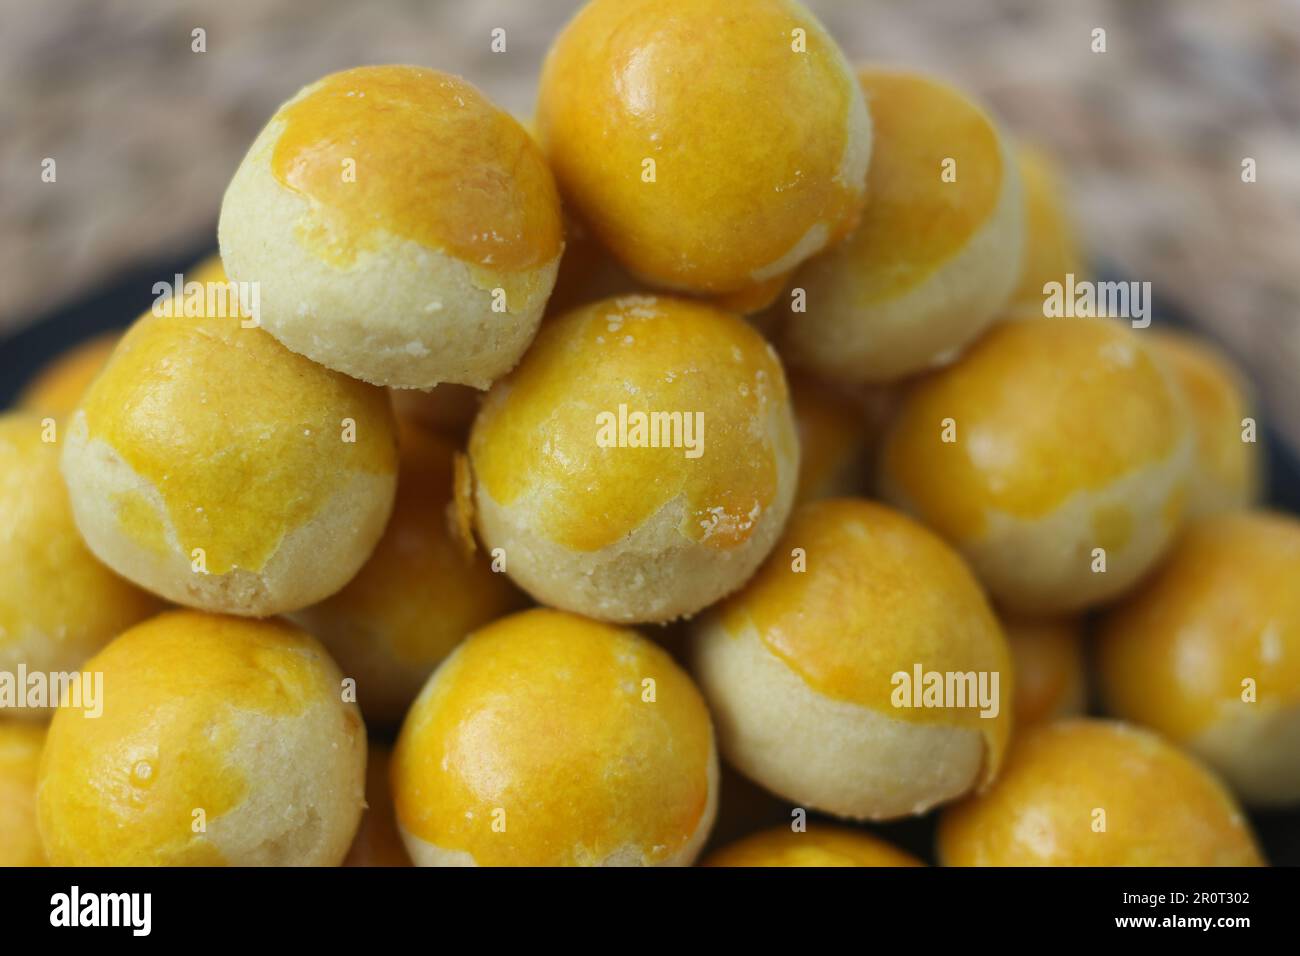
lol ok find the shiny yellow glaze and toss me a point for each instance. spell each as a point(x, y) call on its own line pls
point(1044, 409)
point(178, 691)
point(1162, 809)
point(748, 137)
point(541, 715)
point(241, 437)
point(378, 842)
point(537, 431)
point(818, 846)
point(20, 754)
point(914, 221)
point(1051, 251)
point(436, 163)
point(880, 595)
point(52, 589)
point(207, 270)
point(1048, 661)
point(419, 594)
point(58, 388)
point(1224, 607)
point(833, 437)
point(1227, 467)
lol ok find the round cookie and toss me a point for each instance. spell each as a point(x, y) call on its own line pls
point(58, 604)
point(1227, 475)
point(1097, 793)
point(401, 228)
point(1052, 449)
point(1051, 251)
point(818, 846)
point(938, 252)
point(1047, 658)
point(218, 469)
point(811, 670)
point(20, 755)
point(377, 842)
point(834, 441)
point(418, 595)
point(57, 389)
point(639, 463)
point(711, 168)
point(546, 739)
point(222, 741)
point(1207, 652)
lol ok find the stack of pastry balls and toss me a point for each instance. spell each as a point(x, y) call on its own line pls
point(709, 428)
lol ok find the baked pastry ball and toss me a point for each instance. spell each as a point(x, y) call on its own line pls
point(1047, 657)
point(57, 389)
point(834, 440)
point(817, 846)
point(821, 672)
point(1207, 652)
point(640, 461)
point(1097, 793)
point(58, 604)
point(1051, 251)
point(377, 842)
point(20, 755)
point(402, 228)
point(547, 739)
point(222, 741)
point(1054, 448)
point(218, 469)
point(1227, 472)
point(418, 595)
point(937, 254)
point(711, 168)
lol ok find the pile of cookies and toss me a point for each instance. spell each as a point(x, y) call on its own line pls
point(707, 427)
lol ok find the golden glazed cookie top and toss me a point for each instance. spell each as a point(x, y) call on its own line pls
point(1041, 410)
point(856, 593)
point(243, 440)
point(181, 692)
point(757, 136)
point(818, 846)
point(1160, 808)
point(436, 163)
point(560, 434)
point(543, 719)
point(1224, 609)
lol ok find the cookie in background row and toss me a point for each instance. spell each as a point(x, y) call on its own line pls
point(1207, 652)
point(1051, 673)
point(1097, 793)
point(58, 603)
point(20, 754)
point(546, 739)
point(711, 168)
point(223, 741)
point(817, 670)
point(1056, 455)
point(640, 461)
point(1227, 475)
point(214, 467)
point(401, 228)
point(938, 252)
point(419, 594)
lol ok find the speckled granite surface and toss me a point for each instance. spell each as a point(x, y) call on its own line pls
point(146, 132)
